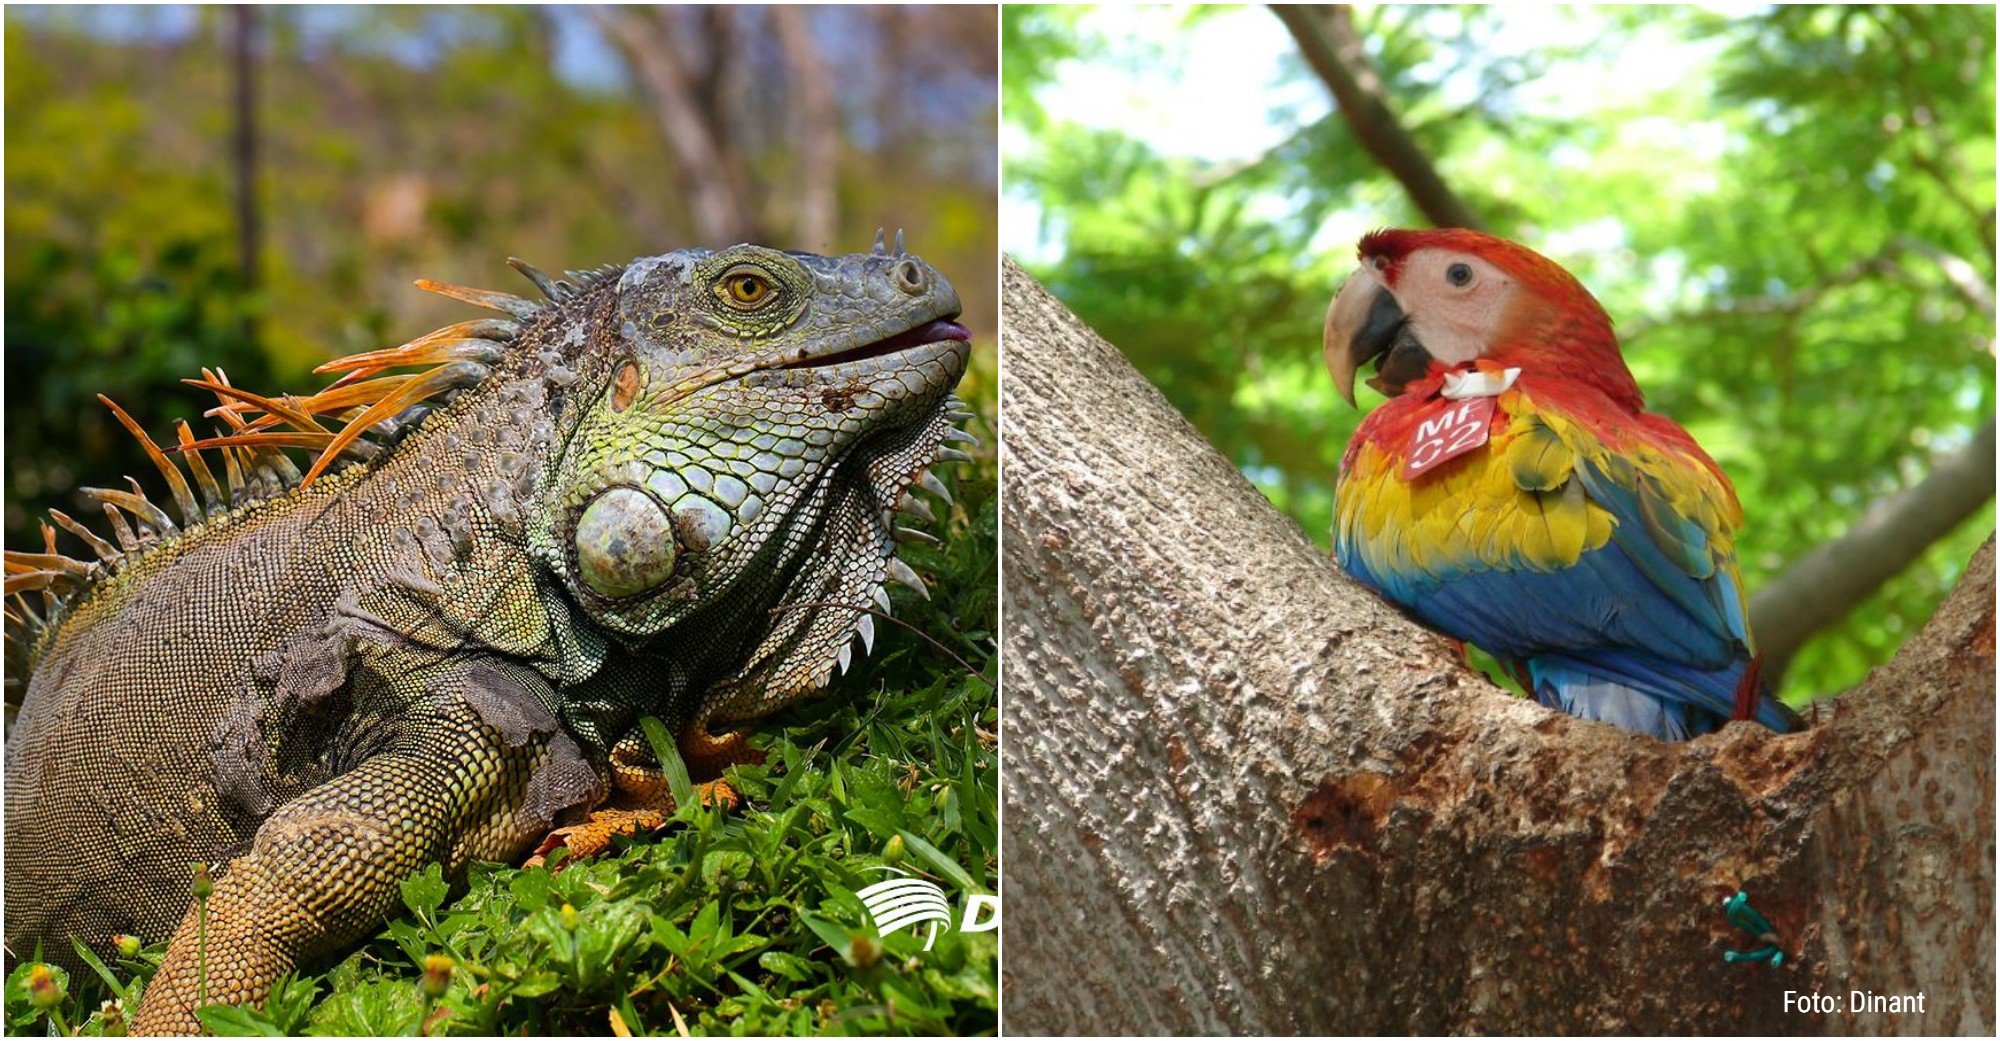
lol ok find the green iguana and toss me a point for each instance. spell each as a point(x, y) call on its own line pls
point(436, 642)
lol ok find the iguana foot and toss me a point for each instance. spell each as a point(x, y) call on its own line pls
point(640, 795)
point(707, 755)
point(594, 834)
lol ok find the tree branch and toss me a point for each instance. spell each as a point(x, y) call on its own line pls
point(243, 61)
point(1330, 44)
point(1884, 262)
point(1822, 586)
point(1957, 272)
point(1245, 796)
point(718, 203)
point(815, 129)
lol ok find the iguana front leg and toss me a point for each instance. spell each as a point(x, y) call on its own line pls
point(326, 868)
point(640, 796)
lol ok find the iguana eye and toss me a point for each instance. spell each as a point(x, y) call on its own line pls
point(746, 287)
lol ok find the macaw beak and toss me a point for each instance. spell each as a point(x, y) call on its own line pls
point(1364, 324)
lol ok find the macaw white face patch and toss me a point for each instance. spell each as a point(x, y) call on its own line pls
point(1455, 302)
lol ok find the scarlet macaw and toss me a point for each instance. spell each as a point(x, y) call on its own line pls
point(1513, 492)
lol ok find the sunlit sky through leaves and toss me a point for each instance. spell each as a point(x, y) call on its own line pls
point(1226, 86)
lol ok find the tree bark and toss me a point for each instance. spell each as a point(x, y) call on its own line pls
point(1244, 795)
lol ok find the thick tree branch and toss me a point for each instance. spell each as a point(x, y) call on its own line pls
point(1330, 44)
point(243, 61)
point(1245, 796)
point(720, 199)
point(815, 128)
point(1834, 577)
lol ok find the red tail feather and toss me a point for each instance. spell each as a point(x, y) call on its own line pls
point(1749, 688)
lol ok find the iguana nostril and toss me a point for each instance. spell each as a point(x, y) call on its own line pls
point(909, 276)
point(624, 543)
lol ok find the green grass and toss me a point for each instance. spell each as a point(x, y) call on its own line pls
point(736, 921)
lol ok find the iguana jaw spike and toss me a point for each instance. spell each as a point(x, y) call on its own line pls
point(880, 249)
point(865, 628)
point(902, 574)
point(928, 482)
point(915, 507)
point(915, 535)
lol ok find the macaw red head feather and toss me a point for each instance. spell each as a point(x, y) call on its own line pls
point(1554, 327)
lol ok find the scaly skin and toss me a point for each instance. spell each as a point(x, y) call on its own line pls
point(428, 657)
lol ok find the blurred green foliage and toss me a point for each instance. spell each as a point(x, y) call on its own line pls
point(1793, 225)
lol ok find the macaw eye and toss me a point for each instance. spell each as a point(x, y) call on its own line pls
point(1459, 274)
point(746, 287)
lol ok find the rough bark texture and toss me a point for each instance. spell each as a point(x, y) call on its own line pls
point(1244, 795)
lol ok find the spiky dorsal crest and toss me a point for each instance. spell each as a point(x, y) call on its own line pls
point(574, 282)
point(367, 399)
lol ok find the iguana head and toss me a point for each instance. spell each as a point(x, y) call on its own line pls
point(760, 418)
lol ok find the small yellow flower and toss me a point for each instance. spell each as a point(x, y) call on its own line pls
point(44, 989)
point(437, 975)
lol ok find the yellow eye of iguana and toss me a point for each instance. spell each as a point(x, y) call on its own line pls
point(743, 288)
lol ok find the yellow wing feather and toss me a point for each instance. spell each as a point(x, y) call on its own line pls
point(1511, 504)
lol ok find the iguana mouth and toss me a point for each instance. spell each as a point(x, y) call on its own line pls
point(921, 336)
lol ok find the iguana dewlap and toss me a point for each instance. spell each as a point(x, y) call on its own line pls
point(422, 649)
